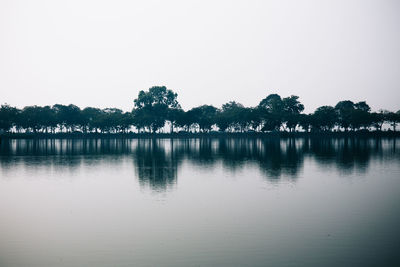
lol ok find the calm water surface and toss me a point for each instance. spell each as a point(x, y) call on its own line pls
point(200, 202)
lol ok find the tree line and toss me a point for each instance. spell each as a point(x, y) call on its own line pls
point(156, 107)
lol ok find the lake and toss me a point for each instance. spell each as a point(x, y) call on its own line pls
point(200, 202)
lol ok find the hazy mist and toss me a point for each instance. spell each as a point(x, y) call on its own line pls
point(101, 53)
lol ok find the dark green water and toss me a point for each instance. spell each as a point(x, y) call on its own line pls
point(200, 202)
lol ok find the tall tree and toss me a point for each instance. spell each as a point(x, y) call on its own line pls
point(324, 118)
point(291, 109)
point(305, 121)
point(377, 119)
point(392, 118)
point(8, 117)
point(360, 116)
point(174, 116)
point(272, 103)
point(184, 120)
point(271, 108)
point(30, 118)
point(68, 117)
point(152, 107)
point(203, 116)
point(345, 109)
point(91, 119)
point(233, 116)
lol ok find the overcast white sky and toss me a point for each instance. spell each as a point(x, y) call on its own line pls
point(101, 53)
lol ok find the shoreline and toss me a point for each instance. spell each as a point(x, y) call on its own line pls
point(362, 134)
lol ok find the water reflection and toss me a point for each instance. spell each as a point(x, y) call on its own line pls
point(351, 154)
point(157, 161)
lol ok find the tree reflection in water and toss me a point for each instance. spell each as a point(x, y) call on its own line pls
point(157, 161)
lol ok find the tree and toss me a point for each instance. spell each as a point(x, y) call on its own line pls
point(30, 118)
point(377, 119)
point(184, 120)
point(126, 121)
point(272, 112)
point(305, 121)
point(233, 116)
point(203, 116)
point(68, 117)
point(255, 118)
point(324, 118)
point(392, 118)
point(174, 116)
point(272, 103)
point(112, 120)
point(91, 119)
point(152, 107)
point(362, 105)
point(47, 118)
point(222, 120)
point(344, 109)
point(292, 107)
point(271, 122)
point(8, 117)
point(360, 116)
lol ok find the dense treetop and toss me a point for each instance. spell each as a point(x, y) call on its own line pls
point(155, 108)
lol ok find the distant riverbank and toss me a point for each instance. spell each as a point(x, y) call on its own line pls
point(198, 135)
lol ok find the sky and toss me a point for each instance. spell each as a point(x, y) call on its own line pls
point(102, 53)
